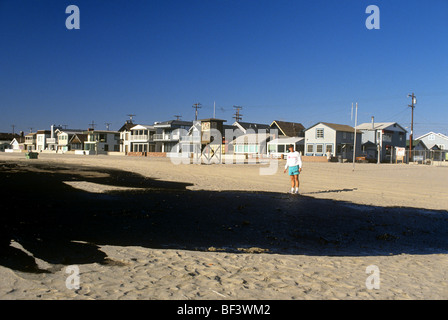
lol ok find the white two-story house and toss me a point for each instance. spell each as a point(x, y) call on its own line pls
point(101, 141)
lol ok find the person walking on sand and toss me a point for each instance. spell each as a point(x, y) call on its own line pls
point(294, 162)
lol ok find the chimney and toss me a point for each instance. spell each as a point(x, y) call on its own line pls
point(373, 122)
point(52, 131)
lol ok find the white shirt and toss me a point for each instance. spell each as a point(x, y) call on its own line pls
point(293, 159)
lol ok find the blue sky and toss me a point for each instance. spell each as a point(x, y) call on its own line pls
point(292, 60)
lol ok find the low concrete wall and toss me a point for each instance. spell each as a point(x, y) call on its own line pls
point(314, 159)
point(136, 154)
point(156, 154)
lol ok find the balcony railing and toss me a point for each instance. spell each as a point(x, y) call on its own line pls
point(166, 137)
point(137, 137)
point(51, 140)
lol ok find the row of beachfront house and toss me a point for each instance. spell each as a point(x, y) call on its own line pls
point(323, 139)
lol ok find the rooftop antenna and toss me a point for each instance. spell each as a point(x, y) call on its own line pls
point(13, 126)
point(214, 109)
point(130, 117)
point(238, 116)
point(178, 117)
point(107, 125)
point(196, 106)
point(92, 125)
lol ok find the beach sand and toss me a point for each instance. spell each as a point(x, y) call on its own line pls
point(139, 228)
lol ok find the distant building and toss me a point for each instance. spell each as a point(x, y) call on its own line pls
point(125, 132)
point(245, 126)
point(286, 133)
point(382, 136)
point(168, 135)
point(42, 137)
point(288, 129)
point(77, 141)
point(6, 139)
point(141, 138)
point(101, 141)
point(30, 141)
point(63, 138)
point(331, 139)
point(432, 139)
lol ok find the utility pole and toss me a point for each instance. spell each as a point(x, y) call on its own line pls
point(238, 116)
point(196, 106)
point(130, 117)
point(13, 126)
point(92, 125)
point(354, 143)
point(413, 102)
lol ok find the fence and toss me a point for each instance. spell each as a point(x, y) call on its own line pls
point(432, 157)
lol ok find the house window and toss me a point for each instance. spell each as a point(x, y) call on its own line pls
point(432, 137)
point(281, 148)
point(329, 148)
point(344, 135)
point(319, 148)
point(309, 148)
point(320, 133)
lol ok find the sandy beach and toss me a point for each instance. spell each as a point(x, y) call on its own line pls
point(140, 228)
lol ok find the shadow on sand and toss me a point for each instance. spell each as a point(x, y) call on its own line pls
point(62, 225)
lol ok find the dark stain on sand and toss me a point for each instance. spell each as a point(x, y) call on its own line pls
point(63, 225)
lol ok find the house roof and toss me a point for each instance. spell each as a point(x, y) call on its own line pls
point(143, 127)
point(8, 136)
point(287, 140)
point(337, 127)
point(69, 131)
point(213, 119)
point(378, 126)
point(127, 126)
point(290, 129)
point(171, 123)
point(43, 132)
point(78, 138)
point(250, 125)
point(437, 134)
point(19, 139)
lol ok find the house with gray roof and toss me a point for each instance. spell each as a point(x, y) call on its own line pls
point(331, 139)
point(383, 137)
point(432, 139)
